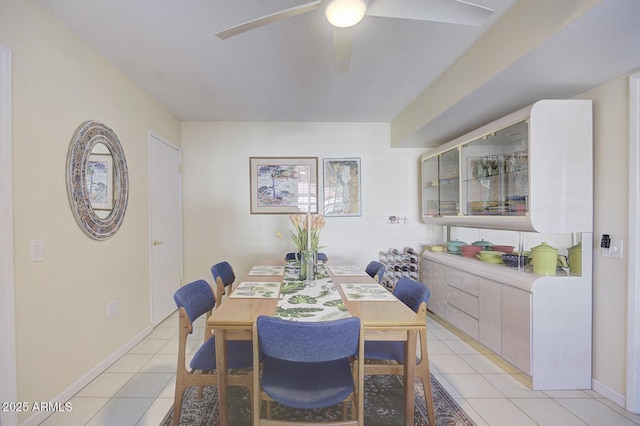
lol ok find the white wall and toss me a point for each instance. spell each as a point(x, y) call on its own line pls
point(611, 177)
point(59, 82)
point(217, 219)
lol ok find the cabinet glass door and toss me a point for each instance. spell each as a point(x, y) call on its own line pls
point(495, 171)
point(441, 184)
point(449, 183)
point(430, 181)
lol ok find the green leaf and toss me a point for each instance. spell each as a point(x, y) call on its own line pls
point(324, 294)
point(296, 312)
point(291, 287)
point(301, 298)
point(338, 303)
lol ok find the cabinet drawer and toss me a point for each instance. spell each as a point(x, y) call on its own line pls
point(490, 314)
point(516, 327)
point(462, 300)
point(464, 322)
point(463, 280)
point(436, 283)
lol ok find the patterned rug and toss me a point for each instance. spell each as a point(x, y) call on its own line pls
point(383, 406)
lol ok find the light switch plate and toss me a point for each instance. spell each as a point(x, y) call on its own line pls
point(615, 249)
point(112, 308)
point(37, 250)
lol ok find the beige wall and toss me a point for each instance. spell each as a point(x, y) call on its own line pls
point(611, 188)
point(218, 223)
point(59, 82)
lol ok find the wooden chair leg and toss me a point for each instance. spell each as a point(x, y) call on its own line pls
point(177, 406)
point(251, 395)
point(424, 373)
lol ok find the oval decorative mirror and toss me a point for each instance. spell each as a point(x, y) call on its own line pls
point(97, 180)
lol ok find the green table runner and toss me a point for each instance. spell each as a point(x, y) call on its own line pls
point(301, 302)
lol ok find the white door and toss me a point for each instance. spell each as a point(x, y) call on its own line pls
point(632, 402)
point(166, 226)
point(8, 378)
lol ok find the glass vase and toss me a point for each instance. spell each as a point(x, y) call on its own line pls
point(307, 266)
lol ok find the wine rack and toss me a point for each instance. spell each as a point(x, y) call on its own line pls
point(399, 264)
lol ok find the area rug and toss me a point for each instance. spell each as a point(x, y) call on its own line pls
point(384, 406)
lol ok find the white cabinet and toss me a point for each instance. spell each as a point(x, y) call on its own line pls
point(529, 171)
point(517, 327)
point(490, 318)
point(434, 275)
point(540, 325)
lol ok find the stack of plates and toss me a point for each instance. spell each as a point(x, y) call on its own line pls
point(482, 207)
point(517, 205)
point(432, 207)
point(448, 208)
point(490, 256)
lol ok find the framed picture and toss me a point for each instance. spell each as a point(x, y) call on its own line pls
point(283, 184)
point(99, 178)
point(342, 187)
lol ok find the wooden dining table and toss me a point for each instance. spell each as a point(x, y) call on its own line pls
point(391, 320)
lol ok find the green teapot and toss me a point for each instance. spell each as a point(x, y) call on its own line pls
point(544, 259)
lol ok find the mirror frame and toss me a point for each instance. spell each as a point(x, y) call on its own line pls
point(86, 137)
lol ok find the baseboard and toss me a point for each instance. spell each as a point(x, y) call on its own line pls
point(608, 393)
point(78, 385)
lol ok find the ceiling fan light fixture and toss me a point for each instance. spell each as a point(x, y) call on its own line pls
point(345, 13)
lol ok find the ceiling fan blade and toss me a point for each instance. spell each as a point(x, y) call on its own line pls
point(448, 11)
point(267, 19)
point(342, 45)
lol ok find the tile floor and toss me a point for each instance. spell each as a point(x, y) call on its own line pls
point(138, 388)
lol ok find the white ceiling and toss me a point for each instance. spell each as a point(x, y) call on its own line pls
point(285, 71)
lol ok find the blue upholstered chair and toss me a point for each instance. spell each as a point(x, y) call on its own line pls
point(307, 365)
point(322, 257)
point(292, 256)
point(223, 276)
point(375, 270)
point(193, 301)
point(415, 295)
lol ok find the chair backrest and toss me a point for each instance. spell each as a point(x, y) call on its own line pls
point(308, 341)
point(224, 271)
point(412, 293)
point(196, 298)
point(375, 269)
point(322, 257)
point(291, 256)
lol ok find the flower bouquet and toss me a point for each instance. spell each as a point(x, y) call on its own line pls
point(305, 235)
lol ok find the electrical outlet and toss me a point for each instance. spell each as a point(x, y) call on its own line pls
point(615, 249)
point(112, 308)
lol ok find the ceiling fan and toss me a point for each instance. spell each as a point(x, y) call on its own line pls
point(344, 14)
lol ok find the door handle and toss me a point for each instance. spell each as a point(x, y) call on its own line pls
point(158, 242)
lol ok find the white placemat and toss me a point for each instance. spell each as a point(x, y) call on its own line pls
point(367, 293)
point(267, 270)
point(257, 290)
point(346, 270)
